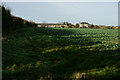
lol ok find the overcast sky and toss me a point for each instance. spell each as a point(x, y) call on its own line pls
point(101, 13)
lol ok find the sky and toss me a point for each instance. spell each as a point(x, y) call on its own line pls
point(99, 13)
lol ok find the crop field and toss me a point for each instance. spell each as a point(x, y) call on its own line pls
point(61, 53)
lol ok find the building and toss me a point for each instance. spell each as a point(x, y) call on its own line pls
point(52, 25)
point(83, 25)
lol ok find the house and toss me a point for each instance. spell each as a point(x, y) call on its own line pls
point(83, 25)
point(52, 25)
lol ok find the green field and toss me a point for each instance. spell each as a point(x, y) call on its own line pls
point(66, 53)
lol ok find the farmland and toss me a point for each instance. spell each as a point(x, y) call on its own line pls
point(71, 53)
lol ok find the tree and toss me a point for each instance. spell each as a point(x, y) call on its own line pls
point(67, 23)
point(63, 22)
point(77, 26)
point(62, 26)
point(92, 26)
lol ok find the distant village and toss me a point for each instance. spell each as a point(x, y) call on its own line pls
point(69, 25)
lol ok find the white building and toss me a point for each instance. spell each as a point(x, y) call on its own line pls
point(53, 25)
point(83, 25)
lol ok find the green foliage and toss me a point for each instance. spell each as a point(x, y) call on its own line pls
point(77, 26)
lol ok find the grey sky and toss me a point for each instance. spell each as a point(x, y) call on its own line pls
point(101, 13)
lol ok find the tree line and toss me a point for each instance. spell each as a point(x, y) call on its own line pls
point(70, 25)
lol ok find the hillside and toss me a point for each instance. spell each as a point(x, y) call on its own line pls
point(11, 22)
point(40, 53)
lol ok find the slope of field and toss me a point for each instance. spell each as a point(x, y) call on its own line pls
point(39, 53)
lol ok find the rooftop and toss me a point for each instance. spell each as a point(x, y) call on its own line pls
point(83, 22)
